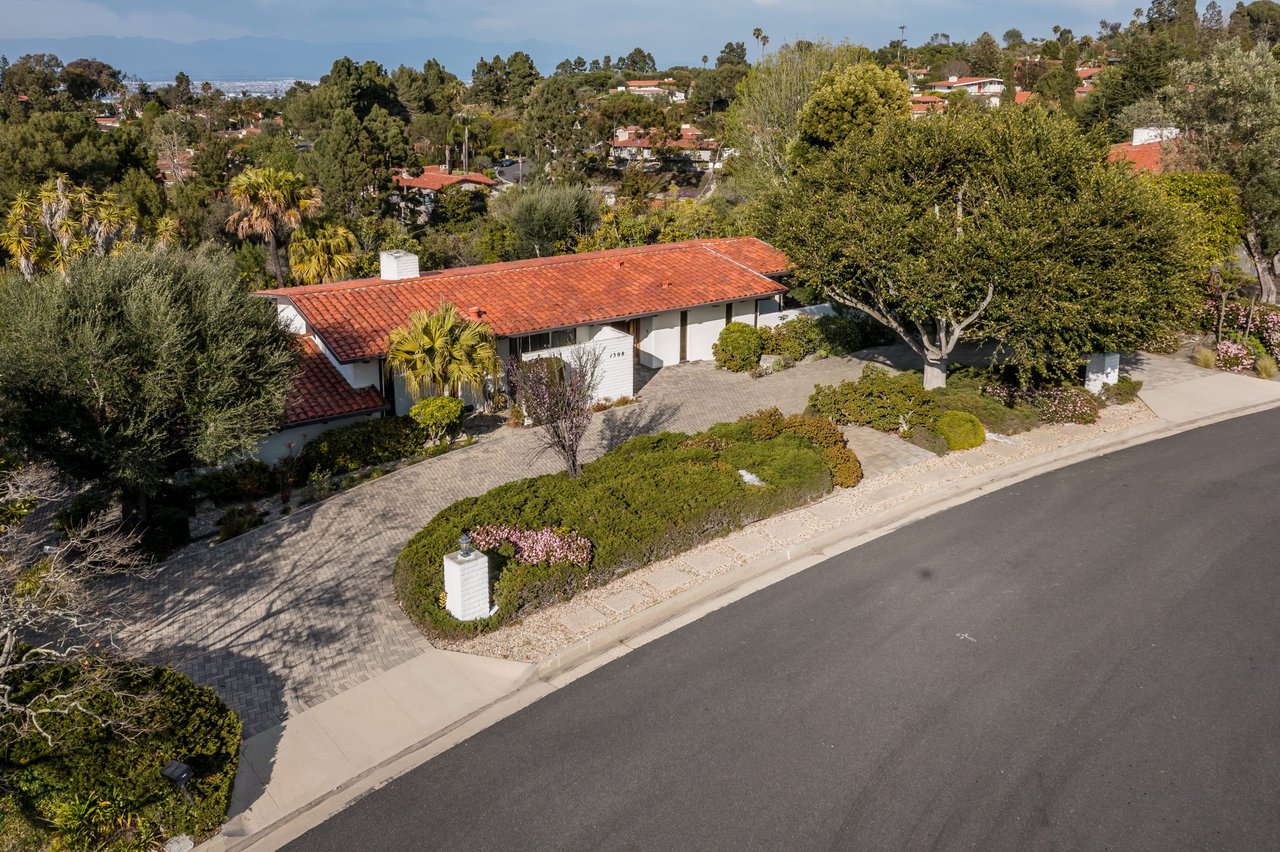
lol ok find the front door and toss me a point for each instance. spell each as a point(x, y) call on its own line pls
point(684, 336)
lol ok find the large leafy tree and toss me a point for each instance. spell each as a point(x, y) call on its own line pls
point(1000, 224)
point(268, 204)
point(850, 100)
point(133, 367)
point(985, 57)
point(764, 122)
point(1228, 107)
point(442, 352)
point(549, 219)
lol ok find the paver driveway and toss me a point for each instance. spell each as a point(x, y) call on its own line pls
point(290, 614)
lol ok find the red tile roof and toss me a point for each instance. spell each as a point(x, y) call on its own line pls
point(964, 81)
point(354, 318)
point(1147, 157)
point(437, 179)
point(321, 393)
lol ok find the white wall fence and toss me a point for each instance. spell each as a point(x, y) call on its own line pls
point(778, 317)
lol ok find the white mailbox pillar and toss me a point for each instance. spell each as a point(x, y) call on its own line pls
point(466, 585)
point(1104, 369)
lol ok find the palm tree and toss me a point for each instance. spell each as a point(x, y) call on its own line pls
point(268, 204)
point(61, 223)
point(323, 255)
point(442, 353)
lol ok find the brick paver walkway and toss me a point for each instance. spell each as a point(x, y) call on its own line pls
point(290, 614)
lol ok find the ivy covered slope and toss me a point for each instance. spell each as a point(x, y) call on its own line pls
point(651, 498)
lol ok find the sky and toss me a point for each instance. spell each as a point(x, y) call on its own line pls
point(675, 31)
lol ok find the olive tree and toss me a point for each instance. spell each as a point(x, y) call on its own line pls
point(132, 367)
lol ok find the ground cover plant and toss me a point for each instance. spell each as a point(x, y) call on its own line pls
point(85, 786)
point(650, 498)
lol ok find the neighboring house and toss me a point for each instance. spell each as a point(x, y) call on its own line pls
point(638, 144)
point(924, 104)
point(653, 89)
point(1146, 151)
point(1088, 77)
point(972, 85)
point(415, 196)
point(107, 122)
point(174, 167)
point(648, 305)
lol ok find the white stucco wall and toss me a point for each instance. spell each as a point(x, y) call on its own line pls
point(745, 312)
point(275, 447)
point(289, 317)
point(617, 374)
point(361, 373)
point(660, 340)
point(705, 325)
point(779, 317)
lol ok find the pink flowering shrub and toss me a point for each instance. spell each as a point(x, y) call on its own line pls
point(548, 546)
point(1235, 357)
point(1054, 405)
point(1265, 325)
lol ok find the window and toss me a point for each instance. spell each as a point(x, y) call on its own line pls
point(547, 340)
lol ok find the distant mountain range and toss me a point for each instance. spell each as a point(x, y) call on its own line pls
point(252, 58)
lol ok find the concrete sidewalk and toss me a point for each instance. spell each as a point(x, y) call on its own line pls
point(295, 774)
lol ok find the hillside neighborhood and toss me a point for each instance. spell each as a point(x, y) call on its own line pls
point(338, 425)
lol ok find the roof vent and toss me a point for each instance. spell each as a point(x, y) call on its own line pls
point(397, 264)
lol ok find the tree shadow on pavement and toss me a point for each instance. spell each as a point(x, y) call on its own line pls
point(261, 708)
point(618, 425)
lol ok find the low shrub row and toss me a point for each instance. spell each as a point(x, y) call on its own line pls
point(93, 786)
point(360, 445)
point(650, 498)
point(959, 416)
point(740, 346)
point(883, 401)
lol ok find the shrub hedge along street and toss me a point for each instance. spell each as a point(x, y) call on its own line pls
point(651, 498)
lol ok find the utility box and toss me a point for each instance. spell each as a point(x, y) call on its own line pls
point(1104, 369)
point(466, 585)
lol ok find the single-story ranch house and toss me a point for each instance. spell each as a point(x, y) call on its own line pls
point(651, 305)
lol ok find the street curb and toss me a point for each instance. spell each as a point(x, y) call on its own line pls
point(718, 590)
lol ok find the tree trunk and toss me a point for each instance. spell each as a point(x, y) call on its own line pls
point(1263, 266)
point(935, 371)
point(275, 258)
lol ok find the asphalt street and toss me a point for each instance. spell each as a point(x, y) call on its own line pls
point(1086, 660)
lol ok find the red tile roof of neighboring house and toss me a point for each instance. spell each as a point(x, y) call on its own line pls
point(964, 81)
point(437, 179)
point(1023, 97)
point(353, 318)
point(321, 393)
point(1147, 157)
point(1086, 73)
point(679, 142)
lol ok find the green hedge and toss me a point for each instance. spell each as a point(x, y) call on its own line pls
point(739, 347)
point(961, 430)
point(889, 403)
point(651, 498)
point(183, 722)
point(360, 445)
point(996, 416)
